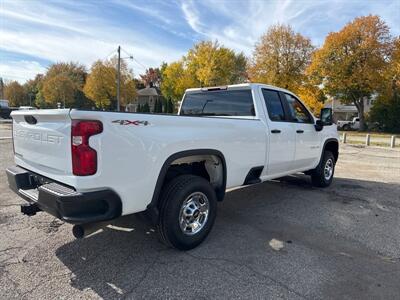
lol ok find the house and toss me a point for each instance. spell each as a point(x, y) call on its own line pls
point(346, 112)
point(148, 95)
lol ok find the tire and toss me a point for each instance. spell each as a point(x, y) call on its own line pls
point(187, 213)
point(322, 175)
point(346, 127)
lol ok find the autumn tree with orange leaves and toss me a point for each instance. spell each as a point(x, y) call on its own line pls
point(351, 63)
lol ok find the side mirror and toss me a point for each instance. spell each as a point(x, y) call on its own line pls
point(318, 125)
point(326, 116)
point(325, 120)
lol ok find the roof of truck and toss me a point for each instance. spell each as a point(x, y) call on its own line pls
point(237, 86)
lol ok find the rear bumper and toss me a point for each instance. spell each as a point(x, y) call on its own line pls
point(63, 201)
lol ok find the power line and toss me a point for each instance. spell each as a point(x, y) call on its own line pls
point(109, 54)
point(134, 59)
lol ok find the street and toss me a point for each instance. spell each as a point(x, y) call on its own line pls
point(342, 242)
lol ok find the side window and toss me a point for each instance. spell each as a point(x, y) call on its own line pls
point(274, 105)
point(298, 112)
point(218, 103)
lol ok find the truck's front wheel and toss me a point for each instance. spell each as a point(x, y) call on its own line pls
point(322, 175)
point(187, 212)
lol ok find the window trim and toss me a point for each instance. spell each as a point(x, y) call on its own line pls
point(283, 103)
point(288, 109)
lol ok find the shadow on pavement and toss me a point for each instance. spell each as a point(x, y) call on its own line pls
point(129, 261)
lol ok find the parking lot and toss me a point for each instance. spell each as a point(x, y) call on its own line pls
point(342, 242)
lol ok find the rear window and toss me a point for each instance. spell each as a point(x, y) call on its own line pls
point(218, 103)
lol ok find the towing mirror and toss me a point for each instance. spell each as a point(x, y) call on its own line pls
point(325, 120)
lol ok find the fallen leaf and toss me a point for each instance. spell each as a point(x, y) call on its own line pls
point(276, 244)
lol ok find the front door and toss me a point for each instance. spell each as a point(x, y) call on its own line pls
point(281, 133)
point(307, 138)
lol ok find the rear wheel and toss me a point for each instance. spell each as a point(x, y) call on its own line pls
point(187, 212)
point(322, 175)
point(346, 127)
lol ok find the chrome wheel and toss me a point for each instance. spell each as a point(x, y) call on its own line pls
point(194, 213)
point(328, 169)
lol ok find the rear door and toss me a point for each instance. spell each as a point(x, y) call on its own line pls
point(281, 142)
point(42, 141)
point(307, 138)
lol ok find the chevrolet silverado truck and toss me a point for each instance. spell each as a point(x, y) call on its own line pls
point(90, 167)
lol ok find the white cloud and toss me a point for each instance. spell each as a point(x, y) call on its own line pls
point(21, 70)
point(33, 29)
point(239, 24)
point(86, 31)
point(191, 16)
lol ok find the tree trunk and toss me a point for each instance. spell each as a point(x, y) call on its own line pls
point(359, 103)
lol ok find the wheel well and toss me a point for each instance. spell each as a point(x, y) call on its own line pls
point(207, 163)
point(333, 146)
point(210, 167)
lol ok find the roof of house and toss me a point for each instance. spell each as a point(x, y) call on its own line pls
point(148, 91)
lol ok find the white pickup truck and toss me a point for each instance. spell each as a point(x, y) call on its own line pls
point(89, 167)
point(354, 124)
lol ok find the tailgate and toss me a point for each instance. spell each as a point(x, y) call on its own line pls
point(42, 140)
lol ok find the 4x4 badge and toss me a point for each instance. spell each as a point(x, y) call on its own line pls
point(129, 122)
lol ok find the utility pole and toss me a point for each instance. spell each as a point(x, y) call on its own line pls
point(118, 76)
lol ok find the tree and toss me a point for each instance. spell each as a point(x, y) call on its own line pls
point(101, 85)
point(152, 77)
point(312, 96)
point(160, 106)
point(351, 63)
point(206, 64)
point(76, 75)
point(15, 94)
point(176, 80)
point(281, 57)
point(155, 108)
point(32, 88)
point(139, 109)
point(74, 71)
point(1, 88)
point(59, 89)
point(146, 108)
point(127, 81)
point(212, 64)
point(170, 107)
point(386, 110)
point(39, 100)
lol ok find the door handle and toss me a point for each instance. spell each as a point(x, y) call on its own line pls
point(275, 131)
point(300, 131)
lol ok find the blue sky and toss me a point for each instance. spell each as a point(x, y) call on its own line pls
point(34, 34)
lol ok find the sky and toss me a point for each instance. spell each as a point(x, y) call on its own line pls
point(35, 34)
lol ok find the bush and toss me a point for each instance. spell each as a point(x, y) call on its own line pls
point(386, 114)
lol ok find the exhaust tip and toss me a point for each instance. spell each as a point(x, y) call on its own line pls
point(83, 230)
point(78, 231)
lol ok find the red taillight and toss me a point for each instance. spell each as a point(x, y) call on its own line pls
point(84, 158)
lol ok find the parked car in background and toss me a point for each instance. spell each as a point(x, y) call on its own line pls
point(88, 167)
point(354, 124)
point(4, 109)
